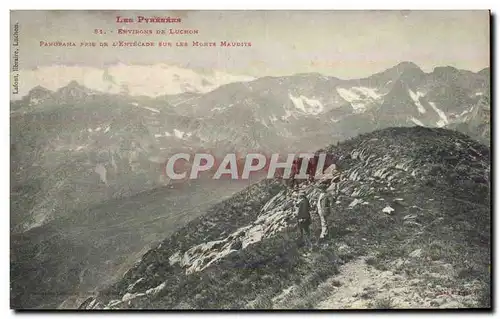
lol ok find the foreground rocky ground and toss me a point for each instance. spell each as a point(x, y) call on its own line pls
point(410, 229)
point(362, 286)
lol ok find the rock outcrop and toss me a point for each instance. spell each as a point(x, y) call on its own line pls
point(406, 201)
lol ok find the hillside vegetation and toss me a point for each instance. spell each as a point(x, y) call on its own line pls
point(413, 203)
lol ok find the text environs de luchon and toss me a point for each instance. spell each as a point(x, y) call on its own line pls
point(162, 31)
point(15, 59)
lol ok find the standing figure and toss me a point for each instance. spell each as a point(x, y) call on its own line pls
point(324, 209)
point(304, 219)
point(312, 166)
point(294, 171)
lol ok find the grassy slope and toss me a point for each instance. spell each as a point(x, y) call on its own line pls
point(86, 249)
point(441, 199)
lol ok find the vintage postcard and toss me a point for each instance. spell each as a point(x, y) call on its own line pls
point(250, 160)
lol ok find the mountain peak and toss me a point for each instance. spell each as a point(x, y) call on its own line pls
point(73, 91)
point(38, 95)
point(408, 68)
point(407, 65)
point(445, 69)
point(39, 90)
point(169, 79)
point(405, 69)
point(484, 72)
point(73, 83)
point(74, 86)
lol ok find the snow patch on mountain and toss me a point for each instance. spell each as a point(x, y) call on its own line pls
point(348, 95)
point(180, 134)
point(416, 98)
point(151, 109)
point(357, 93)
point(307, 105)
point(359, 97)
point(442, 115)
point(222, 108)
point(368, 92)
point(185, 101)
point(469, 110)
point(416, 121)
point(35, 101)
point(100, 169)
point(287, 115)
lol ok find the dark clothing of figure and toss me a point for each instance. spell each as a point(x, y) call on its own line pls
point(305, 234)
point(312, 166)
point(295, 170)
point(304, 221)
point(303, 209)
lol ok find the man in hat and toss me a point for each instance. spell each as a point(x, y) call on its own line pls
point(304, 219)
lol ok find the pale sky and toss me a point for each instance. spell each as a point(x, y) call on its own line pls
point(346, 44)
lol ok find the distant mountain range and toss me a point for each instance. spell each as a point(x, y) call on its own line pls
point(78, 145)
point(134, 80)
